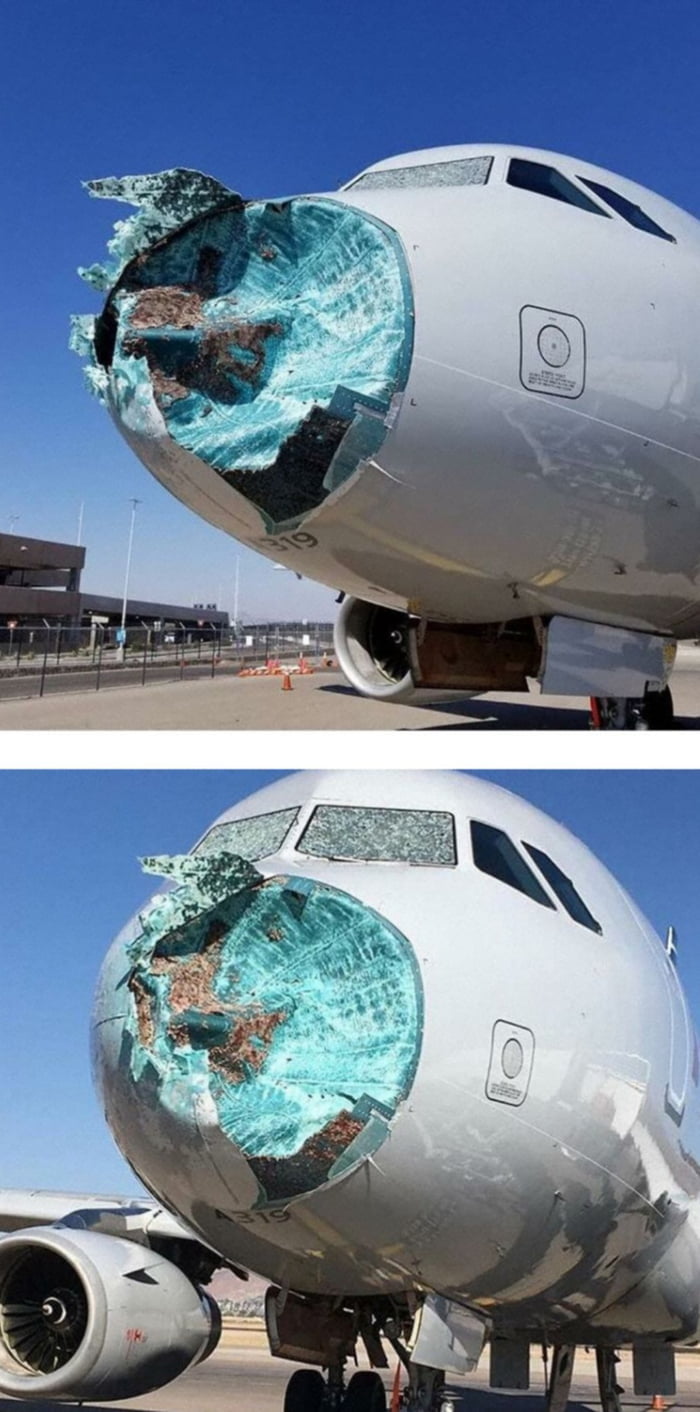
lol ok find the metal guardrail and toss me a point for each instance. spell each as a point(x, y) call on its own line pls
point(35, 662)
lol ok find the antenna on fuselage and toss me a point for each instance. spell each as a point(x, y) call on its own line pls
point(670, 945)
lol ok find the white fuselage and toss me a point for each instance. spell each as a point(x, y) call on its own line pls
point(498, 501)
point(518, 476)
point(562, 1193)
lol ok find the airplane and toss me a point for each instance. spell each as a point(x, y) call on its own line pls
point(462, 390)
point(400, 1044)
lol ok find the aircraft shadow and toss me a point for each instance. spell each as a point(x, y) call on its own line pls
point(507, 715)
point(510, 716)
point(44, 1405)
point(469, 1399)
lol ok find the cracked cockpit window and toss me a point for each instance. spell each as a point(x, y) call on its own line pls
point(249, 838)
point(466, 171)
point(380, 835)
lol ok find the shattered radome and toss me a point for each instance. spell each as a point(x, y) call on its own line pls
point(295, 1006)
point(308, 1168)
point(143, 1005)
point(245, 1049)
point(269, 339)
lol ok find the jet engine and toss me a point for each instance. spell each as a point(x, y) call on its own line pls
point(371, 644)
point(390, 656)
point(88, 1316)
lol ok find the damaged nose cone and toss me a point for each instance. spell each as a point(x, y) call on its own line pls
point(286, 1010)
point(268, 339)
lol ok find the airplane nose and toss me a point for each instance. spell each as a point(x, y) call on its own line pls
point(292, 1006)
point(269, 339)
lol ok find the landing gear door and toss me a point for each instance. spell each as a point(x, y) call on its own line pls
point(447, 1336)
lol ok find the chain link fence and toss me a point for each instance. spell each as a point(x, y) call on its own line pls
point(35, 661)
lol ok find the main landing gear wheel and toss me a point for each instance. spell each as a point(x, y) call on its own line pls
point(365, 1393)
point(658, 710)
point(651, 712)
point(305, 1391)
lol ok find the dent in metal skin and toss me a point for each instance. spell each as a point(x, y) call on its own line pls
point(290, 1006)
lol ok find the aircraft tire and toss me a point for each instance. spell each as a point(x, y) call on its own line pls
point(653, 712)
point(658, 710)
point(365, 1393)
point(304, 1391)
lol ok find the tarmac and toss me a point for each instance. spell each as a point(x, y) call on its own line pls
point(322, 701)
point(240, 1378)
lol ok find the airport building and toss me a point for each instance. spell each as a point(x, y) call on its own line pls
point(40, 588)
point(39, 579)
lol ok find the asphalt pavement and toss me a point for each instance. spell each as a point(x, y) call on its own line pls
point(243, 1379)
point(322, 701)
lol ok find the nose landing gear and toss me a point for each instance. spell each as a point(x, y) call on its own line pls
point(610, 1390)
point(560, 1378)
point(305, 1391)
point(365, 1393)
point(651, 712)
point(308, 1391)
point(325, 1331)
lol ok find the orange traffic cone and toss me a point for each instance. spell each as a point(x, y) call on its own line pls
point(396, 1390)
point(287, 682)
point(657, 1403)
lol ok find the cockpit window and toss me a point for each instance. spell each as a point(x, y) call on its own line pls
point(466, 171)
point(627, 209)
point(546, 181)
point(380, 835)
point(250, 838)
point(564, 889)
point(495, 854)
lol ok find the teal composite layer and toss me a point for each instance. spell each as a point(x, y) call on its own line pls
point(277, 361)
point(304, 1025)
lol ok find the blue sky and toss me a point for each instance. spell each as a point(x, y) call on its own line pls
point(272, 98)
point(71, 879)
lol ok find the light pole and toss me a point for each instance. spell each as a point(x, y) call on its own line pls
point(236, 587)
point(12, 521)
point(122, 633)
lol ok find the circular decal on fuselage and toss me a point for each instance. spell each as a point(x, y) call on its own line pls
point(554, 346)
point(552, 352)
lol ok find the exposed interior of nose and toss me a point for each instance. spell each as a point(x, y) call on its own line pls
point(293, 1005)
point(270, 339)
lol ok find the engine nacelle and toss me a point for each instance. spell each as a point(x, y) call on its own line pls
point(390, 656)
point(371, 644)
point(91, 1316)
